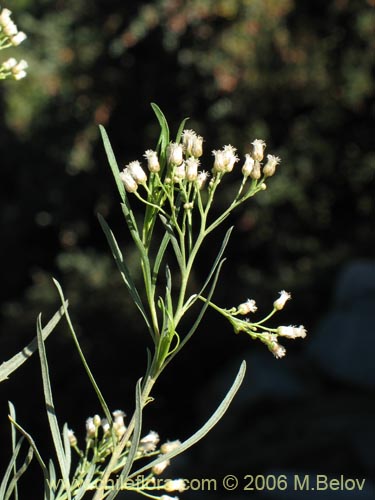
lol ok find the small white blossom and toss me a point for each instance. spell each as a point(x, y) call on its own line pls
point(170, 446)
point(175, 153)
point(258, 149)
point(292, 332)
point(96, 420)
point(175, 485)
point(277, 350)
point(137, 172)
point(248, 165)
point(9, 63)
point(5, 17)
point(202, 178)
point(256, 171)
point(152, 160)
point(118, 416)
point(19, 70)
point(128, 180)
point(90, 427)
point(191, 165)
point(192, 143)
point(179, 173)
point(247, 307)
point(160, 467)
point(149, 442)
point(18, 38)
point(281, 301)
point(225, 159)
point(119, 429)
point(10, 29)
point(71, 437)
point(105, 425)
point(270, 167)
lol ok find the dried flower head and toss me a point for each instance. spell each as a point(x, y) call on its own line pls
point(258, 149)
point(281, 301)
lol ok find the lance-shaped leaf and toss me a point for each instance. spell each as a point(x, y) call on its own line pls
point(16, 361)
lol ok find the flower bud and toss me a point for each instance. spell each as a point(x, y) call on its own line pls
point(179, 173)
point(5, 17)
point(191, 165)
point(160, 467)
point(71, 437)
point(9, 63)
point(118, 416)
point(258, 149)
point(18, 38)
point(137, 172)
point(202, 178)
point(170, 446)
point(256, 173)
point(292, 332)
point(130, 185)
point(175, 154)
point(247, 307)
point(281, 301)
point(149, 442)
point(270, 167)
point(90, 428)
point(19, 70)
point(152, 160)
point(10, 29)
point(105, 425)
point(96, 420)
point(248, 165)
point(174, 485)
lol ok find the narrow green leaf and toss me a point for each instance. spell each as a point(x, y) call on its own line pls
point(163, 125)
point(112, 162)
point(67, 447)
point(135, 441)
point(52, 479)
point(12, 413)
point(86, 483)
point(101, 399)
point(38, 456)
point(174, 241)
point(181, 129)
point(10, 468)
point(16, 361)
point(50, 407)
point(159, 257)
point(124, 271)
point(13, 484)
point(211, 422)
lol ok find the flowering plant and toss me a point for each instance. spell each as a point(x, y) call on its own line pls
point(176, 194)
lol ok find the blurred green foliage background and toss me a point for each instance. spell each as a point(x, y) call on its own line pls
point(296, 74)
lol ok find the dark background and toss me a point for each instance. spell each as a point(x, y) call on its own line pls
point(296, 74)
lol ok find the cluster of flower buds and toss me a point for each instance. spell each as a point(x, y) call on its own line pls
point(14, 68)
point(8, 30)
point(10, 36)
point(99, 439)
point(253, 168)
point(257, 330)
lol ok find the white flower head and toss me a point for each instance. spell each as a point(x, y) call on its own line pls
point(96, 420)
point(72, 438)
point(118, 416)
point(130, 184)
point(18, 38)
point(256, 171)
point(179, 173)
point(175, 485)
point(192, 143)
point(277, 350)
point(160, 467)
point(5, 17)
point(202, 178)
point(105, 425)
point(137, 172)
point(191, 168)
point(175, 153)
point(170, 446)
point(152, 160)
point(281, 301)
point(292, 332)
point(248, 165)
point(258, 149)
point(270, 167)
point(90, 427)
point(9, 63)
point(247, 307)
point(149, 442)
point(225, 159)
